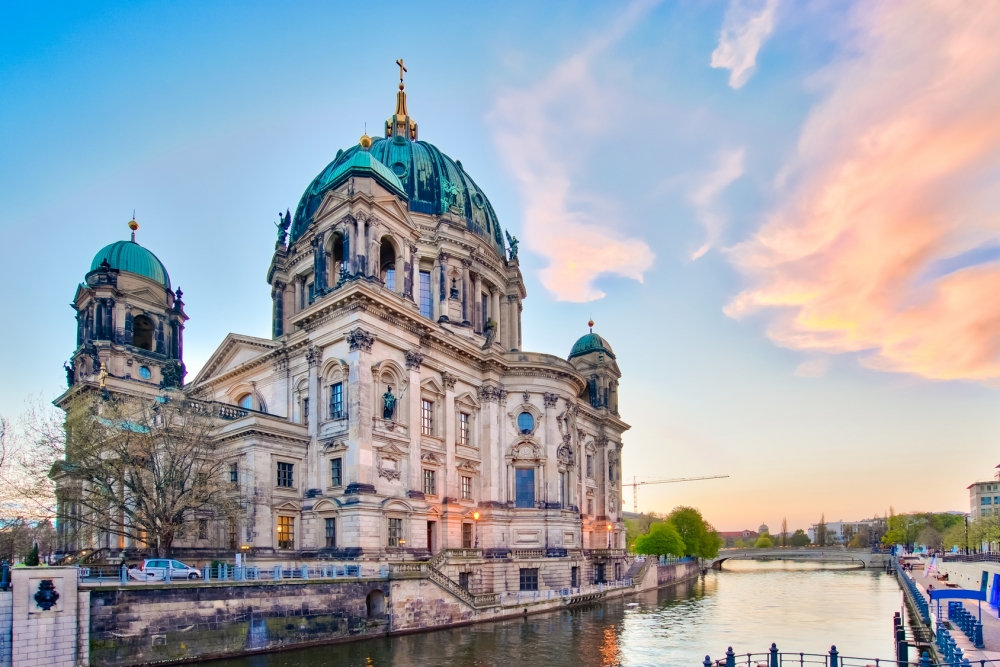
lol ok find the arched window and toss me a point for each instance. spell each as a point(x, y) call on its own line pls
point(525, 422)
point(387, 264)
point(246, 401)
point(142, 332)
point(336, 259)
point(375, 604)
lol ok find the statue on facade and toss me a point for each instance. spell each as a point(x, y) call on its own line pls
point(172, 375)
point(69, 373)
point(512, 242)
point(388, 404)
point(283, 224)
point(490, 331)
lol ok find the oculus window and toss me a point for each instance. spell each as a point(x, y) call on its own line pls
point(525, 422)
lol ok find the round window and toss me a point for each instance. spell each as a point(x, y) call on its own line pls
point(477, 199)
point(526, 422)
point(398, 168)
point(145, 373)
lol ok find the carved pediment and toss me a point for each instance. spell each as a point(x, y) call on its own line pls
point(334, 445)
point(430, 457)
point(391, 451)
point(525, 450)
point(466, 464)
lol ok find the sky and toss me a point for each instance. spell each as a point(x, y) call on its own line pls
point(783, 216)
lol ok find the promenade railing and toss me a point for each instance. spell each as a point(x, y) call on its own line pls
point(776, 658)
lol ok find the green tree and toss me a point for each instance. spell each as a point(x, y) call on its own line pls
point(700, 539)
point(821, 531)
point(904, 528)
point(799, 538)
point(739, 544)
point(638, 526)
point(32, 557)
point(661, 540)
point(764, 542)
point(954, 536)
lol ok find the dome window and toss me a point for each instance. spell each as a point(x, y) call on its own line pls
point(399, 169)
point(526, 423)
point(145, 373)
point(246, 401)
point(477, 199)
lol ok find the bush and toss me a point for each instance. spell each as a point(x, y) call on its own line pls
point(764, 542)
point(32, 558)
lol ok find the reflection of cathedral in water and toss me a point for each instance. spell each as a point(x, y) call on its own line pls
point(393, 410)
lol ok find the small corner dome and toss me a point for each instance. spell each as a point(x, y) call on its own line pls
point(763, 529)
point(591, 343)
point(131, 257)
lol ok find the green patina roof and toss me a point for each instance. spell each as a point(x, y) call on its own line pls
point(431, 182)
point(132, 257)
point(591, 343)
point(364, 164)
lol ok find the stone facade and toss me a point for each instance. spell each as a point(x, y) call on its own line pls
point(44, 617)
point(393, 413)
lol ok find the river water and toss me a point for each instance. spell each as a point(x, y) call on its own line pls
point(801, 607)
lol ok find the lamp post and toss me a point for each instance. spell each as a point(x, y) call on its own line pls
point(475, 527)
point(609, 535)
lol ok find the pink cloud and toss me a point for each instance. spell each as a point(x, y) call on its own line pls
point(896, 169)
point(542, 133)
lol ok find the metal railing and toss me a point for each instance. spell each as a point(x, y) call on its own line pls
point(110, 574)
point(515, 598)
point(776, 658)
point(913, 593)
point(990, 557)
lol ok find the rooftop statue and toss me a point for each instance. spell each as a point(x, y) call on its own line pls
point(283, 224)
point(512, 242)
point(490, 331)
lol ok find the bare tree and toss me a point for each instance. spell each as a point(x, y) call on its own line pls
point(784, 532)
point(147, 470)
point(27, 452)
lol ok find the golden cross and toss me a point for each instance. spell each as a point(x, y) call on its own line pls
point(401, 69)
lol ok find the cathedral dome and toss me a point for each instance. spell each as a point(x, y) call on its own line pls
point(590, 343)
point(131, 257)
point(431, 182)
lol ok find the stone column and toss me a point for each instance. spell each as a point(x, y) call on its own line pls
point(448, 486)
point(361, 248)
point(495, 314)
point(414, 358)
point(348, 247)
point(413, 275)
point(551, 444)
point(402, 272)
point(511, 323)
point(443, 286)
point(360, 460)
point(477, 305)
point(375, 255)
point(435, 289)
point(314, 356)
point(466, 288)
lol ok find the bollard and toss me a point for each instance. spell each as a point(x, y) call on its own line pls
point(925, 660)
point(5, 576)
point(277, 572)
point(834, 657)
point(730, 657)
point(957, 657)
point(707, 662)
point(977, 636)
point(774, 656)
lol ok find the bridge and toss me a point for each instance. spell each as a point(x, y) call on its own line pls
point(862, 558)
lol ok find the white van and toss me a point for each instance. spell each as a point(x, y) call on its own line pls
point(157, 568)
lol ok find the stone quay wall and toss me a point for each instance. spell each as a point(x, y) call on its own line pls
point(675, 572)
point(146, 624)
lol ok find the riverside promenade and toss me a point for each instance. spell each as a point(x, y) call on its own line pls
point(990, 613)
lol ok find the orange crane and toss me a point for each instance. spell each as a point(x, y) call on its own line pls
point(636, 484)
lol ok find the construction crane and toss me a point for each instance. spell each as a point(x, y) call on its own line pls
point(636, 484)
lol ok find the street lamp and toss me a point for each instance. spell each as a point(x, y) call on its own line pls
point(475, 525)
point(609, 535)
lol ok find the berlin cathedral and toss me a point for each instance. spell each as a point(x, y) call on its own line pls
point(393, 412)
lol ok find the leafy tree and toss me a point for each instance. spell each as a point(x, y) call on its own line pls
point(740, 544)
point(904, 528)
point(639, 526)
point(930, 538)
point(700, 539)
point(145, 470)
point(764, 542)
point(859, 541)
point(954, 536)
point(661, 540)
point(32, 558)
point(799, 538)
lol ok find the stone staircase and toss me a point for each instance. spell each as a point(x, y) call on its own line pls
point(430, 568)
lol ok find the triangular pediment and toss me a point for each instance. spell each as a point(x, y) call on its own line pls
point(432, 385)
point(235, 350)
point(391, 451)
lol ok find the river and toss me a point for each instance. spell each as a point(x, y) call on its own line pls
point(800, 606)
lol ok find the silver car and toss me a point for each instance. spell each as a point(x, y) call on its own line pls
point(157, 569)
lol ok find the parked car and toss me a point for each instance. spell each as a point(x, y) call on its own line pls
point(157, 568)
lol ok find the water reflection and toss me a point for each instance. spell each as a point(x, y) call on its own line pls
point(800, 606)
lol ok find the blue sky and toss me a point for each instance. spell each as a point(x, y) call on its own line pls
point(686, 196)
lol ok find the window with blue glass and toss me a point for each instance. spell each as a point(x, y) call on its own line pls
point(524, 484)
point(986, 500)
point(337, 400)
point(425, 294)
point(525, 422)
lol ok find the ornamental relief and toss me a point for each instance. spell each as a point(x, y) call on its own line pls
point(525, 451)
point(431, 457)
point(467, 465)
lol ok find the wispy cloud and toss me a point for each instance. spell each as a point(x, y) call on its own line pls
point(812, 368)
point(729, 167)
point(540, 132)
point(745, 28)
point(896, 174)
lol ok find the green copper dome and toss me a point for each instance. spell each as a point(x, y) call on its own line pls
point(591, 343)
point(431, 182)
point(131, 257)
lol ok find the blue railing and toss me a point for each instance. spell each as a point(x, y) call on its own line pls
point(914, 594)
point(776, 658)
point(963, 619)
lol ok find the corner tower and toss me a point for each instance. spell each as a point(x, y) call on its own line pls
point(130, 324)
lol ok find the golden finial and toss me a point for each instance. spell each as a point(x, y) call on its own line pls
point(365, 141)
point(591, 325)
point(402, 71)
point(133, 225)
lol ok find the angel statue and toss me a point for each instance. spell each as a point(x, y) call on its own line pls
point(490, 331)
point(512, 242)
point(284, 222)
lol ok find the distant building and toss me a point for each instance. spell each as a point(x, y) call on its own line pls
point(763, 529)
point(729, 538)
point(984, 497)
point(841, 532)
